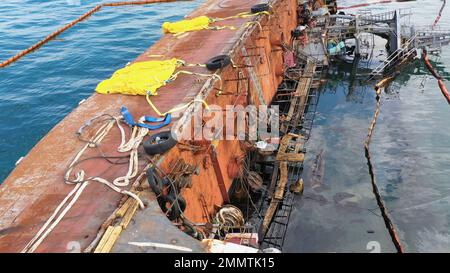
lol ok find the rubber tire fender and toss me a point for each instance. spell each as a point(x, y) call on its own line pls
point(260, 8)
point(166, 143)
point(152, 181)
point(176, 207)
point(156, 184)
point(218, 62)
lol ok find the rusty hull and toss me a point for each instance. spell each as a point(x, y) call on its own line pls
point(33, 190)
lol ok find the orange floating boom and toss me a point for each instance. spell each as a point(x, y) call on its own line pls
point(384, 213)
point(439, 15)
point(444, 90)
point(437, 76)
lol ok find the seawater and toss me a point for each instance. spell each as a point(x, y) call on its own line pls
point(410, 151)
point(40, 89)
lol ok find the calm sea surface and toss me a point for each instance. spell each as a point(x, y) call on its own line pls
point(410, 151)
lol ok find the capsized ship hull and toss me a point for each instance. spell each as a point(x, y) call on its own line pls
point(32, 192)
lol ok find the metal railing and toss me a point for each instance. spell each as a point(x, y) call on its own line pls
point(403, 52)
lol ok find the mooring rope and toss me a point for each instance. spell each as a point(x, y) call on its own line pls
point(81, 181)
point(436, 75)
point(76, 21)
point(387, 220)
point(439, 16)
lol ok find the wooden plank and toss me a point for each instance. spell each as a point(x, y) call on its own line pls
point(291, 157)
point(104, 239)
point(292, 106)
point(112, 239)
point(129, 214)
point(298, 147)
point(298, 101)
point(284, 143)
point(273, 183)
point(123, 209)
point(303, 92)
point(268, 217)
point(282, 155)
point(279, 194)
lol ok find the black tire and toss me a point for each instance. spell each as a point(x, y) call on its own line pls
point(260, 8)
point(218, 62)
point(154, 185)
point(177, 207)
point(165, 143)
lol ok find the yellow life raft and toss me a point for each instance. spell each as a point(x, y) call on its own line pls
point(202, 22)
point(145, 78)
point(141, 78)
point(197, 23)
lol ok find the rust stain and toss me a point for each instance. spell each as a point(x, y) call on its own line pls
point(34, 189)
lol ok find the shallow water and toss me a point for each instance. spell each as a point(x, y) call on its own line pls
point(42, 88)
point(410, 151)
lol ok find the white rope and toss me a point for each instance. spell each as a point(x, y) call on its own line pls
point(136, 138)
point(119, 190)
point(39, 237)
point(44, 235)
point(230, 215)
point(32, 243)
point(131, 146)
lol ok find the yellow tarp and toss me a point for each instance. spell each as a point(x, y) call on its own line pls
point(139, 78)
point(196, 23)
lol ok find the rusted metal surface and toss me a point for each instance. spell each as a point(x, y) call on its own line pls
point(219, 176)
point(34, 189)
